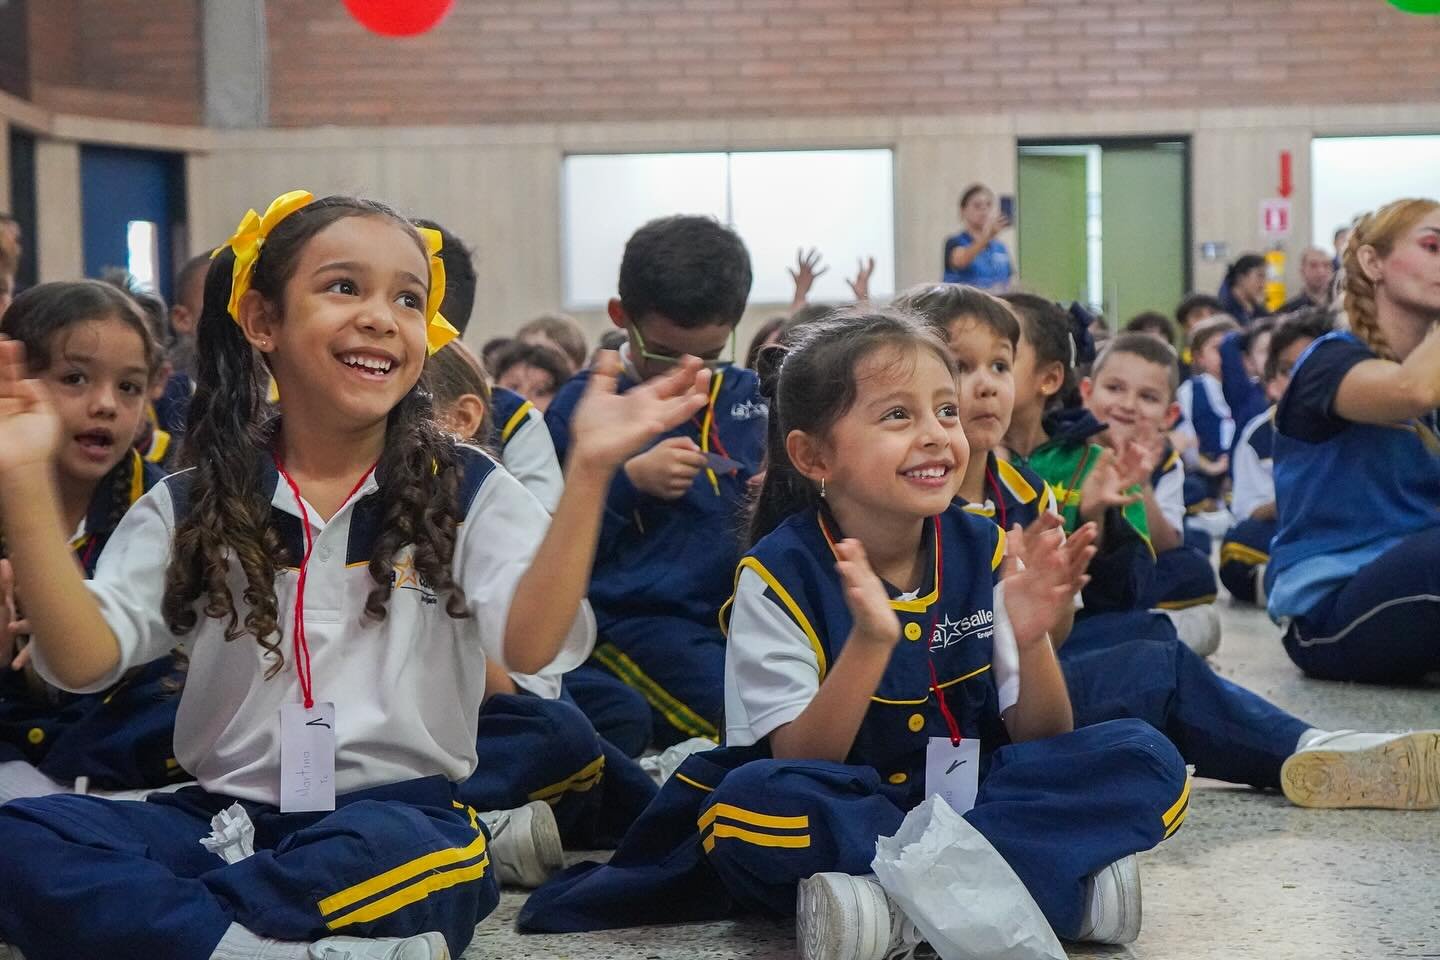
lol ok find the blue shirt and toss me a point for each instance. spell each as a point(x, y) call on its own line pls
point(674, 559)
point(989, 269)
point(1345, 492)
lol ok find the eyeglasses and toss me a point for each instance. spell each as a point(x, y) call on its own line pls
point(671, 358)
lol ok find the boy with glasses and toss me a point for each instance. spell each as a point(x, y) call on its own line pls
point(669, 541)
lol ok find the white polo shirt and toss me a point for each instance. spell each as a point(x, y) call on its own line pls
point(406, 689)
point(529, 454)
point(772, 673)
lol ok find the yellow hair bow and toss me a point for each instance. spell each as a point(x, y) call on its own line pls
point(439, 331)
point(250, 236)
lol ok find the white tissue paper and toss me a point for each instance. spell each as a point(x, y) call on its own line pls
point(232, 835)
point(959, 892)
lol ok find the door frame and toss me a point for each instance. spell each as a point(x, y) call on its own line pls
point(1133, 141)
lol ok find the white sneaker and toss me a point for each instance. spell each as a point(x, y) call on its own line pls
point(667, 761)
point(524, 844)
point(1393, 771)
point(842, 917)
point(1112, 904)
point(426, 946)
point(1198, 627)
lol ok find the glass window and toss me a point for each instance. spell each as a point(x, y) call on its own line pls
point(1354, 175)
point(841, 201)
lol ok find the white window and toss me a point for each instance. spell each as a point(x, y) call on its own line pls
point(142, 253)
point(840, 201)
point(1354, 175)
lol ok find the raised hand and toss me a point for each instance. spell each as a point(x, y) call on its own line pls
point(609, 427)
point(860, 286)
point(29, 425)
point(875, 620)
point(14, 629)
point(807, 270)
point(1110, 483)
point(1044, 576)
point(667, 469)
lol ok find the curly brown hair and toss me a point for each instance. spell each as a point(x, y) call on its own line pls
point(228, 445)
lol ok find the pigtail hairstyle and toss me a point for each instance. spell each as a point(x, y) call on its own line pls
point(1378, 229)
point(812, 384)
point(231, 433)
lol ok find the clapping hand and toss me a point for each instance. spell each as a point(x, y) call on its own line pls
point(609, 427)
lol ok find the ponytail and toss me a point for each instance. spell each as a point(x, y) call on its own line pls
point(784, 491)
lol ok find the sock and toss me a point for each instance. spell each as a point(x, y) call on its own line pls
point(1310, 735)
point(240, 944)
point(19, 779)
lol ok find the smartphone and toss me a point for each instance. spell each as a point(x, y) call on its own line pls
point(1007, 207)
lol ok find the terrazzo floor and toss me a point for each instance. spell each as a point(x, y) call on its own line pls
point(1248, 876)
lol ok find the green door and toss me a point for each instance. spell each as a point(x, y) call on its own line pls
point(1051, 225)
point(1142, 212)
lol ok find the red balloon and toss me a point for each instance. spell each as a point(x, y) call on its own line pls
point(398, 18)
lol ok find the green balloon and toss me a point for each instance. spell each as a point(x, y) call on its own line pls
point(1417, 6)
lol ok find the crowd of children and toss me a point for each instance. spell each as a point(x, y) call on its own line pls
point(322, 626)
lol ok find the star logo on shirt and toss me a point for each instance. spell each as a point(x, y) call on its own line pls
point(948, 632)
point(404, 576)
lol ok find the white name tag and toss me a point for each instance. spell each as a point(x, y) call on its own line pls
point(307, 758)
point(953, 772)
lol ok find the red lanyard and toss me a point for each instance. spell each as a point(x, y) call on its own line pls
point(950, 723)
point(999, 497)
point(302, 649)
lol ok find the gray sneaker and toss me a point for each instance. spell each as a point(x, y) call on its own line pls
point(1391, 771)
point(843, 917)
point(524, 844)
point(1112, 904)
point(426, 946)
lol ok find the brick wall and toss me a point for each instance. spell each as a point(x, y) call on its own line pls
point(14, 52)
point(518, 60)
point(545, 60)
point(117, 59)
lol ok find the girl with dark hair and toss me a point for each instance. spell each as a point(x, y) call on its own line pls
point(341, 573)
point(1242, 292)
point(871, 648)
point(91, 347)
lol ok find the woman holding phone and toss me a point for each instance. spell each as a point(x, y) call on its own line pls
point(973, 256)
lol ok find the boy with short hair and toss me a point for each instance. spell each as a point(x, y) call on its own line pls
point(1245, 551)
point(1132, 390)
point(669, 541)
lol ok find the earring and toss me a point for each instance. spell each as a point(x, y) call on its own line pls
point(822, 488)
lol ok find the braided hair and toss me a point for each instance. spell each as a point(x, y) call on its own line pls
point(1379, 230)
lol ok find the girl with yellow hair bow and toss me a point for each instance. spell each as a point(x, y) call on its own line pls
point(341, 572)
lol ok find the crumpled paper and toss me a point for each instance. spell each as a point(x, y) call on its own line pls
point(959, 892)
point(232, 835)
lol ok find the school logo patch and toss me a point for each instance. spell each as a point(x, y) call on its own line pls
point(979, 625)
point(405, 577)
point(749, 410)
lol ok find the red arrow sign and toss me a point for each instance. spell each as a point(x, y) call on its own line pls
point(1287, 185)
